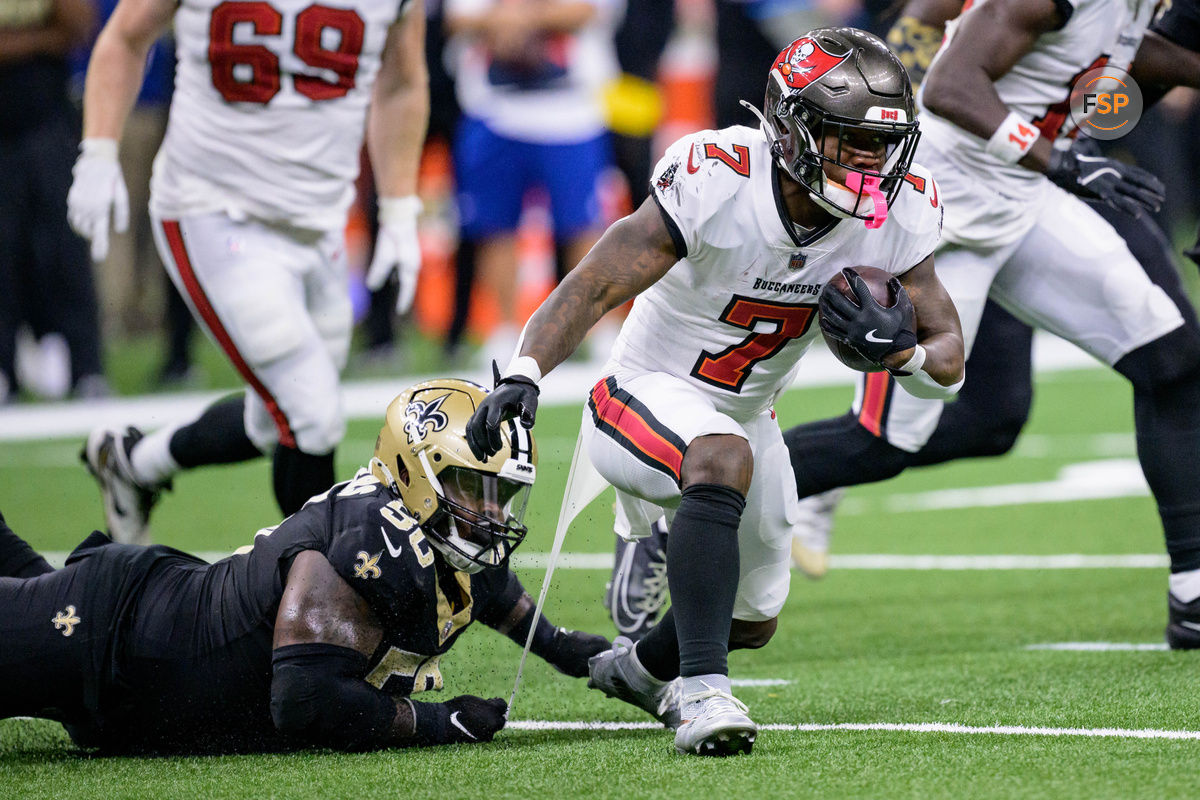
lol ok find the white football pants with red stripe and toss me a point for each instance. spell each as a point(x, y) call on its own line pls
point(275, 301)
point(1069, 274)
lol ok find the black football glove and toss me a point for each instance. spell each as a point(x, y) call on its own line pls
point(466, 719)
point(569, 651)
point(1121, 186)
point(512, 396)
point(872, 330)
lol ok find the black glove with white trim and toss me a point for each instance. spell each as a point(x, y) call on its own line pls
point(513, 396)
point(1121, 186)
point(465, 719)
point(862, 323)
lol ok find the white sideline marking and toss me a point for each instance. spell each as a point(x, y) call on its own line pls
point(901, 727)
point(568, 384)
point(866, 561)
point(1097, 647)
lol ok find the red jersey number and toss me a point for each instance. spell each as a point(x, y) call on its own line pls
point(730, 368)
point(249, 73)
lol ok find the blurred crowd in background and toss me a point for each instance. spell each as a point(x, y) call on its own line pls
point(496, 233)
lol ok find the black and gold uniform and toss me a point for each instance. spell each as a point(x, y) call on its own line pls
point(150, 649)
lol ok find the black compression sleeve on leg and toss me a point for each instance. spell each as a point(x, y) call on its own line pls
point(1167, 417)
point(658, 650)
point(17, 558)
point(840, 452)
point(991, 408)
point(318, 695)
point(217, 437)
point(298, 476)
point(702, 573)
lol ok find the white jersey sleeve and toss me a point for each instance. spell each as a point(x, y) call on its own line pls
point(915, 219)
point(694, 182)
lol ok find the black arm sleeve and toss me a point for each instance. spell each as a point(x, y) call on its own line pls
point(318, 696)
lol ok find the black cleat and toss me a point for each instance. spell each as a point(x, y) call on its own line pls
point(1183, 623)
point(637, 591)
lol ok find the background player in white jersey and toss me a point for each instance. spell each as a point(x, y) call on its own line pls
point(249, 200)
point(726, 261)
point(1020, 237)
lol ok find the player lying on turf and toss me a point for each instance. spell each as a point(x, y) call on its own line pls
point(743, 228)
point(319, 634)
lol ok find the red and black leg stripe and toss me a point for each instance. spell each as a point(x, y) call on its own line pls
point(630, 424)
point(207, 313)
point(877, 398)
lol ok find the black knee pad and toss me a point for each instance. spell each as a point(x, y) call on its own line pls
point(840, 452)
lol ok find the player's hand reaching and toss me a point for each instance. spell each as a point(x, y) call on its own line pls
point(875, 331)
point(97, 193)
point(1121, 186)
point(466, 719)
point(569, 651)
point(512, 396)
point(397, 249)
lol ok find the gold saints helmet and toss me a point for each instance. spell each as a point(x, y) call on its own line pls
point(471, 511)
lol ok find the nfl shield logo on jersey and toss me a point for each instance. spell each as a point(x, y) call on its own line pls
point(797, 261)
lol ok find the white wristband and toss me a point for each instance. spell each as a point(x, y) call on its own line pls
point(399, 209)
point(1012, 140)
point(99, 148)
point(525, 366)
point(915, 363)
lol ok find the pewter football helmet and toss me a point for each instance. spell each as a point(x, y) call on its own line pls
point(839, 82)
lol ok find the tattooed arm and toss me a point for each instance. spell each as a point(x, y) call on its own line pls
point(629, 258)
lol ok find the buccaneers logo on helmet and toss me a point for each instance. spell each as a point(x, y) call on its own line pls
point(804, 62)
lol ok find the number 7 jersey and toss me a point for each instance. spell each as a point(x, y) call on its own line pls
point(738, 310)
point(269, 109)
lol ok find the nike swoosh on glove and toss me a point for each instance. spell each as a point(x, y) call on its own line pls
point(97, 193)
point(862, 323)
point(465, 719)
point(397, 249)
point(1122, 186)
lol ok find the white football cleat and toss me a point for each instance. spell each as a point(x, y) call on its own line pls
point(715, 723)
point(618, 673)
point(127, 503)
point(811, 534)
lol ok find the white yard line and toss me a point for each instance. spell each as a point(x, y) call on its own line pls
point(883, 561)
point(899, 727)
point(1098, 647)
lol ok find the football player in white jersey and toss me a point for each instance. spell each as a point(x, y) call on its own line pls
point(1017, 232)
point(249, 199)
point(726, 261)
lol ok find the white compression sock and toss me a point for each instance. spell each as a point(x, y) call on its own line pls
point(1185, 585)
point(151, 458)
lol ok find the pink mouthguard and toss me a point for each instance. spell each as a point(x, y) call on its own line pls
point(869, 185)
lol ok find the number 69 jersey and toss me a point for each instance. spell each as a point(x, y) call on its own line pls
point(269, 109)
point(738, 310)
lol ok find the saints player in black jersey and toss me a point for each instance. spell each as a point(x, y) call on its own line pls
point(322, 633)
